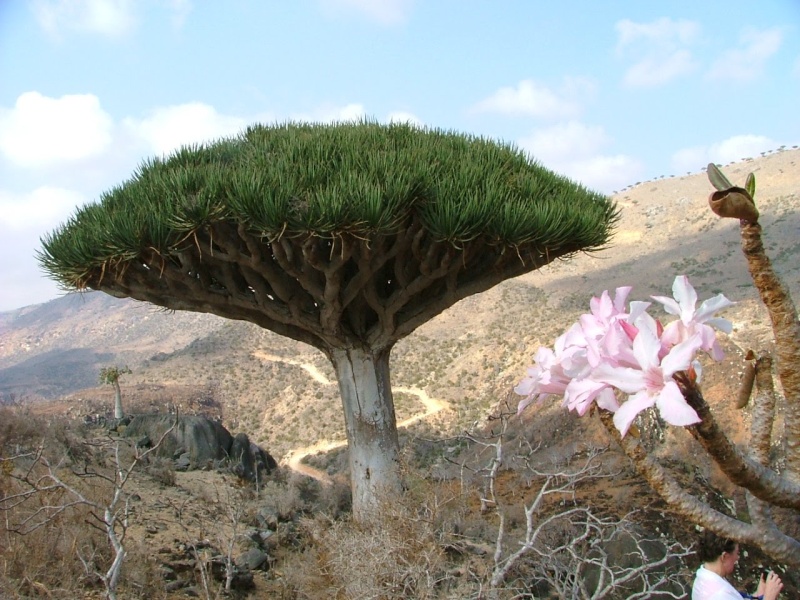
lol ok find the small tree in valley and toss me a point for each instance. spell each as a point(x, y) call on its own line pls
point(110, 376)
point(346, 237)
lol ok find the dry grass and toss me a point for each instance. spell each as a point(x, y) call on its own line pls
point(398, 556)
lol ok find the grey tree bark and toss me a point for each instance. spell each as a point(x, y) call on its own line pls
point(118, 412)
point(366, 391)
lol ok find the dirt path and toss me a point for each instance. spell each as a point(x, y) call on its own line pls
point(294, 459)
point(315, 373)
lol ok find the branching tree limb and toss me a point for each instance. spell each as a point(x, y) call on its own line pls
point(568, 547)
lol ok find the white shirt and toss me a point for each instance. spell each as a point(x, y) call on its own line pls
point(710, 586)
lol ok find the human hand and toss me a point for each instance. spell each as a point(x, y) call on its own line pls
point(770, 586)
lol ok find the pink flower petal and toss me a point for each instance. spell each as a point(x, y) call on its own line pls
point(672, 307)
point(580, 394)
point(681, 356)
point(607, 400)
point(646, 348)
point(710, 306)
point(673, 407)
point(684, 294)
point(628, 410)
point(625, 379)
point(620, 296)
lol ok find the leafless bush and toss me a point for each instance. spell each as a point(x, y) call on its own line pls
point(565, 548)
point(335, 500)
point(61, 480)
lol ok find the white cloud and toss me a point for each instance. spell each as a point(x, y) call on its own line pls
point(167, 129)
point(653, 71)
point(661, 32)
point(565, 141)
point(660, 50)
point(385, 12)
point(40, 131)
point(331, 114)
point(24, 218)
point(44, 207)
point(745, 62)
point(404, 117)
point(533, 99)
point(180, 11)
point(575, 149)
point(732, 149)
point(111, 18)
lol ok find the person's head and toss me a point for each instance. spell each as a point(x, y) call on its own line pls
point(714, 549)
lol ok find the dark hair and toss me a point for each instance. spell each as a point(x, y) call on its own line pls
point(711, 547)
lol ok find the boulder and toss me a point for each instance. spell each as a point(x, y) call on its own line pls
point(242, 460)
point(203, 439)
point(198, 442)
point(247, 458)
point(252, 560)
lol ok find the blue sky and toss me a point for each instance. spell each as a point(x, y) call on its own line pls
point(609, 93)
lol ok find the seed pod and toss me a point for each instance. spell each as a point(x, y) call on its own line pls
point(746, 387)
point(734, 203)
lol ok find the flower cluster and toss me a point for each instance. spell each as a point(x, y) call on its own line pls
point(615, 348)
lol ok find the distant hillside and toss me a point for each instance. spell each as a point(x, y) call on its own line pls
point(86, 332)
point(469, 356)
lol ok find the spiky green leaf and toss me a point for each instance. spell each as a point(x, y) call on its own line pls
point(717, 178)
point(750, 185)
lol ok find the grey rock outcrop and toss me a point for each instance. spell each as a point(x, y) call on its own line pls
point(198, 442)
point(247, 458)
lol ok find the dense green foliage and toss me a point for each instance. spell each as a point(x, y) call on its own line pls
point(366, 179)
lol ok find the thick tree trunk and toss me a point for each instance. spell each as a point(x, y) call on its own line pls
point(118, 414)
point(363, 377)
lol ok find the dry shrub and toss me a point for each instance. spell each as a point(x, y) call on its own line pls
point(398, 555)
point(44, 562)
point(51, 544)
point(162, 470)
point(19, 431)
point(143, 577)
point(335, 500)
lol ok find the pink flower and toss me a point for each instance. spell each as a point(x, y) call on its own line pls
point(694, 321)
point(544, 378)
point(580, 394)
point(603, 339)
point(614, 348)
point(651, 383)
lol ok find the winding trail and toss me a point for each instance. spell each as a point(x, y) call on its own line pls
point(294, 459)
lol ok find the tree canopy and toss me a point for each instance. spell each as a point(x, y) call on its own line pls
point(347, 237)
point(354, 232)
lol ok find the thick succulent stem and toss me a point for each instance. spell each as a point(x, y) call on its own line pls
point(765, 535)
point(786, 329)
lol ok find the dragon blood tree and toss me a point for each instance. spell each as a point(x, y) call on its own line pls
point(110, 376)
point(346, 237)
point(623, 361)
